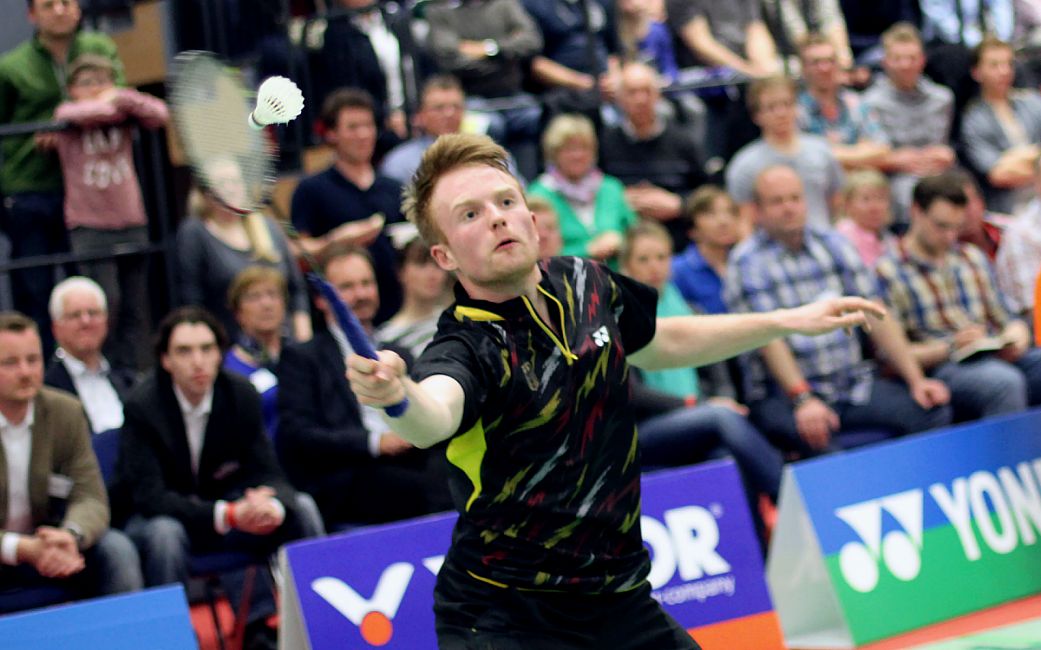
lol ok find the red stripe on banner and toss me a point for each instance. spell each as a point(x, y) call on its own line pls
point(755, 632)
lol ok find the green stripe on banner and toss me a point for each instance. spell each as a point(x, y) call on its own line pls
point(936, 593)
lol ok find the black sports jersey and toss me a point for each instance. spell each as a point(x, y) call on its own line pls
point(545, 465)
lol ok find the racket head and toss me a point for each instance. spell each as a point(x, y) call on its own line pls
point(210, 108)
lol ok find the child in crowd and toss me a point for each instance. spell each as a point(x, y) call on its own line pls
point(103, 205)
point(867, 215)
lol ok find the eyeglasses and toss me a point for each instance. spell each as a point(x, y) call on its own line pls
point(255, 295)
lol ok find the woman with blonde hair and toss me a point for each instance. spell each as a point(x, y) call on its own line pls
point(867, 215)
point(215, 243)
point(590, 205)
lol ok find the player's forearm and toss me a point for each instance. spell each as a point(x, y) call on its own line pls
point(433, 414)
point(684, 341)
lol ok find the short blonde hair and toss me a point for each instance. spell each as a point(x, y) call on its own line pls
point(447, 154)
point(253, 275)
point(864, 179)
point(760, 86)
point(902, 32)
point(564, 127)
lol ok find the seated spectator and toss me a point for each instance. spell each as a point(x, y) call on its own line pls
point(943, 293)
point(79, 319)
point(828, 109)
point(590, 205)
point(441, 109)
point(1019, 256)
point(790, 22)
point(547, 225)
point(867, 216)
point(357, 469)
point(257, 297)
point(817, 389)
point(1001, 129)
point(103, 204)
point(982, 228)
point(642, 37)
point(915, 113)
point(698, 271)
point(428, 291)
point(687, 425)
point(488, 46)
point(658, 160)
point(199, 469)
point(350, 191)
point(772, 104)
point(55, 511)
point(216, 243)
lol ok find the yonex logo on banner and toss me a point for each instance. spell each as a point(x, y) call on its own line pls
point(900, 550)
point(373, 616)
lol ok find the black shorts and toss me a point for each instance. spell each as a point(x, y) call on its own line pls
point(473, 615)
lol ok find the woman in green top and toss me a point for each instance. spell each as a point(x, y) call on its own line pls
point(590, 205)
point(684, 427)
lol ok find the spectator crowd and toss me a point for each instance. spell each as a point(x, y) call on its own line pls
point(738, 156)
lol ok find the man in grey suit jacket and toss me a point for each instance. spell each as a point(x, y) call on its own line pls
point(54, 512)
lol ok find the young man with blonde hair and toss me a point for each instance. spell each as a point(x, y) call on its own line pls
point(527, 381)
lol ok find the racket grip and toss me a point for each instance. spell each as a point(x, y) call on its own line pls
point(352, 329)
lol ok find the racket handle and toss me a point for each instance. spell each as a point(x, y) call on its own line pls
point(352, 329)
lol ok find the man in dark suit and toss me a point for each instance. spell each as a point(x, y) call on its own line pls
point(356, 468)
point(198, 466)
point(54, 512)
point(79, 320)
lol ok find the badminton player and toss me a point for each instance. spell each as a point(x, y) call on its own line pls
point(527, 381)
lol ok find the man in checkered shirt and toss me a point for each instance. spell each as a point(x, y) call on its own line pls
point(806, 393)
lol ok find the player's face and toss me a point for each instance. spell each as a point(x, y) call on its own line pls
point(649, 260)
point(442, 111)
point(262, 309)
point(83, 325)
point(55, 18)
point(781, 205)
point(354, 137)
point(904, 63)
point(21, 366)
point(868, 207)
point(936, 229)
point(353, 278)
point(489, 232)
point(718, 227)
point(192, 358)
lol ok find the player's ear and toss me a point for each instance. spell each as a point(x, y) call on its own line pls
point(443, 256)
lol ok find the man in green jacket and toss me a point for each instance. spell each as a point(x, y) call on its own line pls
point(32, 84)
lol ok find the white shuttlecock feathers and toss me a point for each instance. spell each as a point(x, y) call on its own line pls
point(279, 100)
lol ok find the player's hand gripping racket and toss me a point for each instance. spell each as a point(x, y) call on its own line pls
point(218, 124)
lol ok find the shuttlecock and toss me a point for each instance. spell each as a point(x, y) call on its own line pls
point(279, 100)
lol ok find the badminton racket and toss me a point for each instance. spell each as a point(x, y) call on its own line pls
point(217, 121)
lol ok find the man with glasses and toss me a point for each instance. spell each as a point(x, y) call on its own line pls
point(32, 84)
point(960, 327)
point(441, 110)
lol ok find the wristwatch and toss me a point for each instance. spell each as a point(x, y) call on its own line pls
point(491, 48)
point(802, 398)
point(76, 534)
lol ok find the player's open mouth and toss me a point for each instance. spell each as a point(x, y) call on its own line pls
point(505, 244)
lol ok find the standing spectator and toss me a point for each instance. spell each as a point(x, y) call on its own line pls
point(658, 160)
point(1019, 256)
point(32, 82)
point(645, 39)
point(915, 113)
point(828, 109)
point(257, 296)
point(590, 205)
point(103, 204)
point(698, 271)
point(790, 22)
point(55, 513)
point(818, 389)
point(216, 243)
point(488, 45)
point(866, 215)
point(944, 294)
point(428, 291)
point(1001, 129)
point(199, 469)
point(79, 316)
point(343, 453)
point(350, 190)
point(772, 105)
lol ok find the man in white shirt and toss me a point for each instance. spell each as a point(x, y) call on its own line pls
point(53, 531)
point(198, 466)
point(79, 320)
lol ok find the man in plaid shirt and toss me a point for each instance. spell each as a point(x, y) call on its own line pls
point(811, 391)
point(944, 293)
